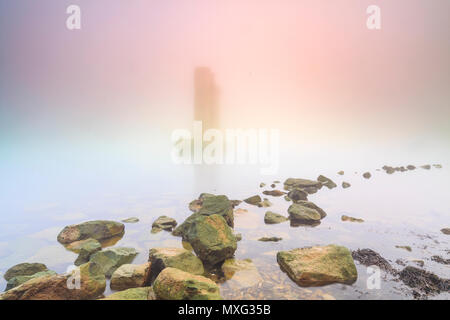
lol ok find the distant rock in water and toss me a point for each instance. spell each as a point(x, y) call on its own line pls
point(255, 200)
point(24, 269)
point(318, 266)
point(411, 167)
point(351, 219)
point(98, 230)
point(346, 185)
point(270, 239)
point(327, 182)
point(262, 185)
point(368, 257)
point(426, 167)
point(274, 218)
point(407, 248)
point(131, 220)
point(298, 195)
point(292, 183)
point(388, 169)
point(446, 231)
point(273, 185)
point(163, 223)
point(423, 282)
point(367, 175)
point(305, 212)
point(440, 260)
point(265, 203)
point(437, 166)
point(274, 193)
point(341, 173)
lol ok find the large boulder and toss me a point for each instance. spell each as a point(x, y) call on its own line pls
point(212, 239)
point(144, 293)
point(84, 248)
point(274, 218)
point(129, 276)
point(85, 283)
point(210, 204)
point(98, 230)
point(174, 284)
point(24, 269)
point(111, 259)
point(292, 183)
point(178, 258)
point(18, 280)
point(163, 223)
point(318, 266)
point(241, 274)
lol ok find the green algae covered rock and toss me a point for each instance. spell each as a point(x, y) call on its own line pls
point(318, 266)
point(303, 214)
point(98, 230)
point(274, 218)
point(178, 258)
point(24, 269)
point(292, 183)
point(84, 248)
point(212, 239)
point(174, 284)
point(129, 276)
point(111, 259)
point(144, 293)
point(254, 200)
point(163, 223)
point(18, 280)
point(327, 182)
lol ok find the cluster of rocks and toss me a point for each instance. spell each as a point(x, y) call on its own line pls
point(391, 170)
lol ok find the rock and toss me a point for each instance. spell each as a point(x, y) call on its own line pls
point(303, 214)
point(212, 239)
point(311, 190)
point(440, 260)
point(327, 182)
point(131, 220)
point(437, 166)
point(368, 257)
point(351, 219)
point(407, 248)
point(163, 223)
point(129, 276)
point(235, 203)
point(111, 259)
point(318, 266)
point(367, 175)
point(346, 185)
point(255, 200)
point(85, 248)
point(298, 195)
point(238, 236)
point(62, 287)
point(270, 239)
point(296, 208)
point(411, 167)
point(426, 167)
point(174, 284)
point(18, 280)
point(195, 205)
point(241, 274)
point(240, 211)
point(341, 173)
point(287, 198)
point(98, 230)
point(273, 185)
point(274, 193)
point(262, 185)
point(446, 231)
point(292, 183)
point(274, 218)
point(145, 293)
point(423, 281)
point(24, 269)
point(178, 258)
point(388, 169)
point(265, 203)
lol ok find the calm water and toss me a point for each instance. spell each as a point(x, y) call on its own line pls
point(406, 208)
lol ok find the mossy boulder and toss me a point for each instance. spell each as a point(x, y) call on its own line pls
point(129, 276)
point(274, 218)
point(175, 284)
point(98, 230)
point(144, 293)
point(24, 269)
point(318, 266)
point(18, 280)
point(293, 183)
point(111, 259)
point(212, 239)
point(178, 258)
point(210, 204)
point(84, 283)
point(163, 223)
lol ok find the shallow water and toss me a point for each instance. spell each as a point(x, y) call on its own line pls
point(406, 208)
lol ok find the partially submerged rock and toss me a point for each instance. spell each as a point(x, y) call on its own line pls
point(446, 231)
point(411, 167)
point(92, 284)
point(426, 167)
point(178, 258)
point(174, 284)
point(368, 257)
point(437, 166)
point(212, 239)
point(18, 280)
point(407, 248)
point(292, 183)
point(262, 185)
point(274, 193)
point(346, 185)
point(98, 230)
point(84, 248)
point(303, 214)
point(367, 175)
point(163, 223)
point(24, 269)
point(327, 182)
point(389, 169)
point(111, 259)
point(270, 239)
point(241, 274)
point(440, 260)
point(144, 293)
point(274, 218)
point(341, 173)
point(255, 200)
point(129, 276)
point(298, 195)
point(265, 203)
point(351, 219)
point(318, 266)
point(131, 220)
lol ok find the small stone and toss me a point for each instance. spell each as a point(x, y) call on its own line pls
point(270, 239)
point(298, 195)
point(407, 248)
point(351, 219)
point(273, 185)
point(446, 231)
point(426, 167)
point(131, 220)
point(265, 203)
point(262, 185)
point(274, 193)
point(341, 173)
point(327, 182)
point(84, 248)
point(163, 223)
point(255, 200)
point(410, 167)
point(346, 185)
point(274, 218)
point(367, 175)
point(437, 166)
